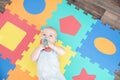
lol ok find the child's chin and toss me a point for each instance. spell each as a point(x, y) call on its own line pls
point(48, 49)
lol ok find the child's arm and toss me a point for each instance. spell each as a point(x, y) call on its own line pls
point(35, 54)
point(58, 49)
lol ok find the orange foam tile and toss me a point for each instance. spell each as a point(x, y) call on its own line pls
point(18, 74)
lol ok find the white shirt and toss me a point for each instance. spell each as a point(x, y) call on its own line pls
point(48, 66)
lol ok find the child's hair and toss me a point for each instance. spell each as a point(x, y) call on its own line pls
point(49, 27)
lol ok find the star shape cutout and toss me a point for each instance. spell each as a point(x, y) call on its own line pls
point(84, 76)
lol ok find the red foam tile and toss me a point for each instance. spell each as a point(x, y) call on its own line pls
point(30, 33)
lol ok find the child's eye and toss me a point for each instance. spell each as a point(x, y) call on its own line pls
point(44, 34)
point(51, 35)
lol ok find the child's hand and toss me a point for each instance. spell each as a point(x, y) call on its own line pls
point(35, 54)
point(58, 49)
point(41, 47)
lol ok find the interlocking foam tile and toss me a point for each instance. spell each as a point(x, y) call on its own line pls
point(65, 59)
point(78, 63)
point(25, 62)
point(102, 46)
point(18, 74)
point(84, 76)
point(15, 36)
point(65, 10)
point(5, 66)
point(38, 20)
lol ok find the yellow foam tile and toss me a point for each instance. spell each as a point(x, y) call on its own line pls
point(1, 38)
point(11, 36)
point(65, 59)
point(26, 62)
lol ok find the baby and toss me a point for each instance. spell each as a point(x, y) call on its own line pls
point(46, 56)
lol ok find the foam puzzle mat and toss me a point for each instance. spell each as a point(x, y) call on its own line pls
point(92, 49)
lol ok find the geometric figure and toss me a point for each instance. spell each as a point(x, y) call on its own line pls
point(84, 76)
point(5, 66)
point(18, 74)
point(78, 63)
point(65, 10)
point(109, 62)
point(34, 6)
point(29, 32)
point(105, 46)
point(12, 35)
point(69, 25)
point(39, 19)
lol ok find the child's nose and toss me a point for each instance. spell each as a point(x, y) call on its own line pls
point(46, 36)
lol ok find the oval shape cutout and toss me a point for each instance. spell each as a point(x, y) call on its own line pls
point(105, 46)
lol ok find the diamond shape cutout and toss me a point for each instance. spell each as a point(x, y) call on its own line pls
point(11, 36)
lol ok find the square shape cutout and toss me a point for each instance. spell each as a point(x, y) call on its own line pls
point(11, 35)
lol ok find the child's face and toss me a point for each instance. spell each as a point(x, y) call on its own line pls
point(50, 34)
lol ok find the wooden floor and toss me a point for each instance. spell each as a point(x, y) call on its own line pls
point(117, 75)
point(3, 3)
point(106, 10)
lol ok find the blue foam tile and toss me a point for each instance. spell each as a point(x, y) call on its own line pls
point(5, 66)
point(89, 50)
